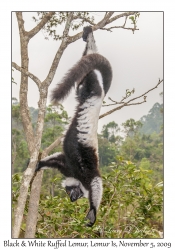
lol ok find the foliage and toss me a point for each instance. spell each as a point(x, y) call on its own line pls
point(131, 127)
point(142, 149)
point(33, 114)
point(13, 80)
point(131, 207)
point(134, 18)
point(107, 152)
point(134, 147)
point(16, 118)
point(50, 29)
point(20, 154)
point(55, 120)
point(132, 199)
point(109, 131)
point(153, 121)
point(145, 148)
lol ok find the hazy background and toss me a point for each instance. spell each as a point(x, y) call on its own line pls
point(136, 59)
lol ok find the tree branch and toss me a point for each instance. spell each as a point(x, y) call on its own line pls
point(40, 25)
point(41, 113)
point(35, 195)
point(33, 142)
point(84, 19)
point(47, 150)
point(27, 73)
point(22, 31)
point(124, 104)
point(103, 22)
point(60, 51)
point(28, 130)
point(119, 27)
point(125, 14)
point(159, 82)
point(106, 20)
point(97, 26)
point(24, 109)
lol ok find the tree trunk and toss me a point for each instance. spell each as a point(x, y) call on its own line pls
point(35, 195)
point(18, 215)
point(33, 206)
point(33, 142)
point(24, 111)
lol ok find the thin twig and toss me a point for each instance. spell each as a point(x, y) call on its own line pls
point(119, 27)
point(40, 25)
point(27, 73)
point(60, 51)
point(125, 14)
point(128, 102)
point(106, 20)
point(159, 82)
point(47, 150)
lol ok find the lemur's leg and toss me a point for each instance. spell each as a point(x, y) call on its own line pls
point(90, 41)
point(56, 161)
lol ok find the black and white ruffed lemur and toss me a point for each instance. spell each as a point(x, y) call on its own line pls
point(79, 161)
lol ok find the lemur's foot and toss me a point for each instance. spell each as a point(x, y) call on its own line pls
point(37, 167)
point(91, 216)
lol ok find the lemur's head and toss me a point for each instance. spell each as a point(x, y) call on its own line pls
point(74, 189)
point(74, 192)
point(86, 31)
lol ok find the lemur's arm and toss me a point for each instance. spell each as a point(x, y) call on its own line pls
point(95, 196)
point(56, 161)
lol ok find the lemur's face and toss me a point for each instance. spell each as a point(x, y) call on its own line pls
point(86, 31)
point(74, 192)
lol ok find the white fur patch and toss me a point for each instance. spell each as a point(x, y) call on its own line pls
point(88, 121)
point(99, 77)
point(42, 168)
point(97, 190)
point(84, 190)
point(92, 48)
point(70, 181)
point(51, 156)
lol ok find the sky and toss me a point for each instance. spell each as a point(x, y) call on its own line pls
point(136, 60)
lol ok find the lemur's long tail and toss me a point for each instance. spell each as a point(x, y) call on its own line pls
point(79, 71)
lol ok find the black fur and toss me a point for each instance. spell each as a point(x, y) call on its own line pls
point(57, 162)
point(86, 31)
point(79, 71)
point(74, 192)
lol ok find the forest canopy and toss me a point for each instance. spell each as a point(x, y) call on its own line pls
point(134, 149)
